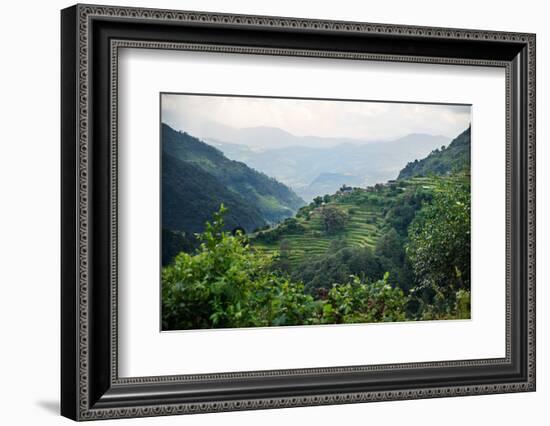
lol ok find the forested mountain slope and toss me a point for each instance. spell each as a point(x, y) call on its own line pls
point(453, 158)
point(198, 178)
point(190, 196)
point(273, 200)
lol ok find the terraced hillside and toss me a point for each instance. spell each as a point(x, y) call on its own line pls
point(361, 230)
point(369, 215)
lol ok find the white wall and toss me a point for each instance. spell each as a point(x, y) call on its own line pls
point(29, 225)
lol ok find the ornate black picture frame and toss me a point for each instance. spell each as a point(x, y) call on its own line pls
point(91, 387)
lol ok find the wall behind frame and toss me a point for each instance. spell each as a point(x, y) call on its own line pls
point(29, 217)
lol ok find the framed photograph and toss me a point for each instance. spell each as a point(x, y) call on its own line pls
point(263, 212)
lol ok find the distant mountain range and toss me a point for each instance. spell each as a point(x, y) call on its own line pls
point(455, 157)
point(317, 171)
point(262, 138)
point(197, 177)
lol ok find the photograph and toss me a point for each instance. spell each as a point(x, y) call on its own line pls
point(279, 211)
point(266, 208)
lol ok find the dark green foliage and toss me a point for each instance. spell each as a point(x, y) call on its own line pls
point(390, 246)
point(341, 261)
point(462, 304)
point(337, 265)
point(439, 248)
point(334, 219)
point(269, 236)
point(404, 208)
point(439, 237)
point(174, 242)
point(361, 301)
point(454, 158)
point(190, 196)
point(390, 252)
point(290, 225)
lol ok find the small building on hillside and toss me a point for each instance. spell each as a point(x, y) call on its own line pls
point(344, 189)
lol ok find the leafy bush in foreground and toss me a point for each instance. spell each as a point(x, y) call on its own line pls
point(360, 302)
point(228, 284)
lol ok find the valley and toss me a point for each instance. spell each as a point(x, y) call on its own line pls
point(318, 170)
point(261, 227)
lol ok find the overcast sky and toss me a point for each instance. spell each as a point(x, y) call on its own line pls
point(358, 120)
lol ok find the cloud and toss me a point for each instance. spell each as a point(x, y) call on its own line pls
point(328, 118)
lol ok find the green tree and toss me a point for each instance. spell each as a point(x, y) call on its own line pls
point(334, 219)
point(439, 244)
point(390, 246)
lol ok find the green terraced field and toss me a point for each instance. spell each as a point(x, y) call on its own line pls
point(359, 231)
point(364, 227)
